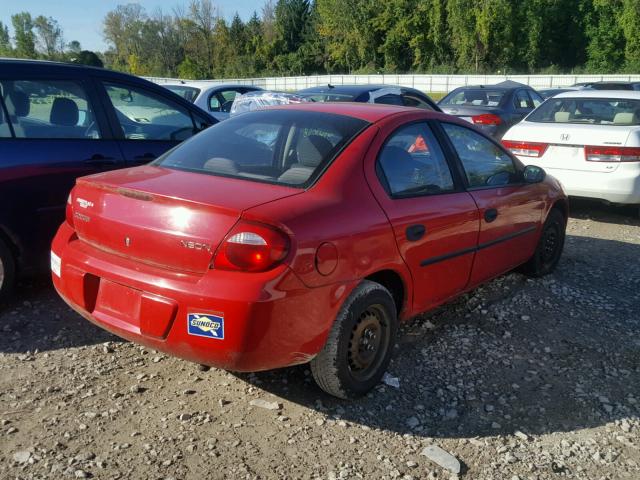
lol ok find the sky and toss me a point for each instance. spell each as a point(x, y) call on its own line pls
point(82, 19)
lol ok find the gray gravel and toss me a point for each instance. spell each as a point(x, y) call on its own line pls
point(520, 380)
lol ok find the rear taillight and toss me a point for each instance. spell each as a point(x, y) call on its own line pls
point(526, 149)
point(611, 154)
point(252, 247)
point(69, 210)
point(486, 119)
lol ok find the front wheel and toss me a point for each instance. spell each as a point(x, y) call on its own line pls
point(549, 249)
point(359, 346)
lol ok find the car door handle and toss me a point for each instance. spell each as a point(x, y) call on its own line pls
point(145, 157)
point(99, 160)
point(490, 215)
point(415, 232)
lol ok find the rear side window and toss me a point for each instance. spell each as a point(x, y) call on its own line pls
point(188, 93)
point(277, 146)
point(5, 130)
point(522, 100)
point(412, 100)
point(145, 115)
point(597, 111)
point(49, 109)
point(485, 164)
point(411, 163)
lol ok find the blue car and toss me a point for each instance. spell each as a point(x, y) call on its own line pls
point(61, 121)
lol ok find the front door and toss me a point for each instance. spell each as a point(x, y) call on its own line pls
point(510, 210)
point(146, 123)
point(434, 220)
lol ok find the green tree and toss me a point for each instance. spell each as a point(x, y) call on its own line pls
point(23, 35)
point(630, 22)
point(49, 37)
point(6, 50)
point(606, 49)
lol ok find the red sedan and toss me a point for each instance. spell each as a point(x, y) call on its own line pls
point(303, 234)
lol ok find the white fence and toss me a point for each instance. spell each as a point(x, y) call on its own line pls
point(426, 83)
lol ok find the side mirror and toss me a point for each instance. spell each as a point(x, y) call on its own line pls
point(533, 174)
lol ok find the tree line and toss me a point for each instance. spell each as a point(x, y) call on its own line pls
point(303, 37)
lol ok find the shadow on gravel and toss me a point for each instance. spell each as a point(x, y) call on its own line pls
point(538, 356)
point(583, 209)
point(37, 318)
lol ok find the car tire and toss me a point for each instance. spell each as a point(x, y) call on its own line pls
point(7, 271)
point(360, 343)
point(549, 248)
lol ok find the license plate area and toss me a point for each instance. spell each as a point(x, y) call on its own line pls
point(119, 301)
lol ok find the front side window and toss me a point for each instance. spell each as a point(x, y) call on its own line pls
point(275, 146)
point(144, 115)
point(596, 111)
point(485, 163)
point(48, 109)
point(411, 163)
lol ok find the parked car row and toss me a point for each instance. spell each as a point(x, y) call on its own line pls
point(302, 233)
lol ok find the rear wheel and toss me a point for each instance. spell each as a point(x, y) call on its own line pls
point(549, 249)
point(7, 271)
point(359, 346)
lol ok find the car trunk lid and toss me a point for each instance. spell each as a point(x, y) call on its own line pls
point(164, 217)
point(565, 144)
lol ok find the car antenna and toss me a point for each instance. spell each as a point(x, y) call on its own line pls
point(330, 86)
point(182, 82)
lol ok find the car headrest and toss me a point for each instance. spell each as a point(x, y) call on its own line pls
point(20, 102)
point(221, 165)
point(398, 166)
point(64, 111)
point(625, 118)
point(312, 150)
point(561, 117)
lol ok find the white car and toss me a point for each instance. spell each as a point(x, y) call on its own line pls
point(589, 140)
point(214, 98)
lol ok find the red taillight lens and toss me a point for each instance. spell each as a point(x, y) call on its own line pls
point(486, 119)
point(611, 154)
point(252, 247)
point(526, 149)
point(69, 210)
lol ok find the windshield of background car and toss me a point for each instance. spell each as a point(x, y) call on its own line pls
point(481, 97)
point(289, 147)
point(600, 111)
point(328, 97)
point(188, 93)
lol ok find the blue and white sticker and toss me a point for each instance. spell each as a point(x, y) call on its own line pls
point(206, 325)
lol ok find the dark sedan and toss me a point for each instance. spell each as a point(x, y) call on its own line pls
point(492, 108)
point(381, 94)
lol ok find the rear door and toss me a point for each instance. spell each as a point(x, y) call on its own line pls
point(146, 123)
point(434, 220)
point(510, 210)
point(56, 133)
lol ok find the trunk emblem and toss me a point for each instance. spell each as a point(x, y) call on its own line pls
point(127, 241)
point(196, 245)
point(564, 137)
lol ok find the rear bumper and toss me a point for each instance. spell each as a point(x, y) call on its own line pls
point(268, 320)
point(620, 186)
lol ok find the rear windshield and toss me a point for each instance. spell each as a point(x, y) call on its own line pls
point(289, 147)
point(328, 97)
point(474, 97)
point(188, 93)
point(604, 111)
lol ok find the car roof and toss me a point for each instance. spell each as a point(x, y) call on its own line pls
point(202, 84)
point(622, 94)
point(506, 85)
point(370, 112)
point(347, 89)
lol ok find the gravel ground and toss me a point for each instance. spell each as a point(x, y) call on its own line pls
point(520, 379)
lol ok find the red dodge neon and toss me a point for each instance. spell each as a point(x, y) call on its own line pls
point(303, 234)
